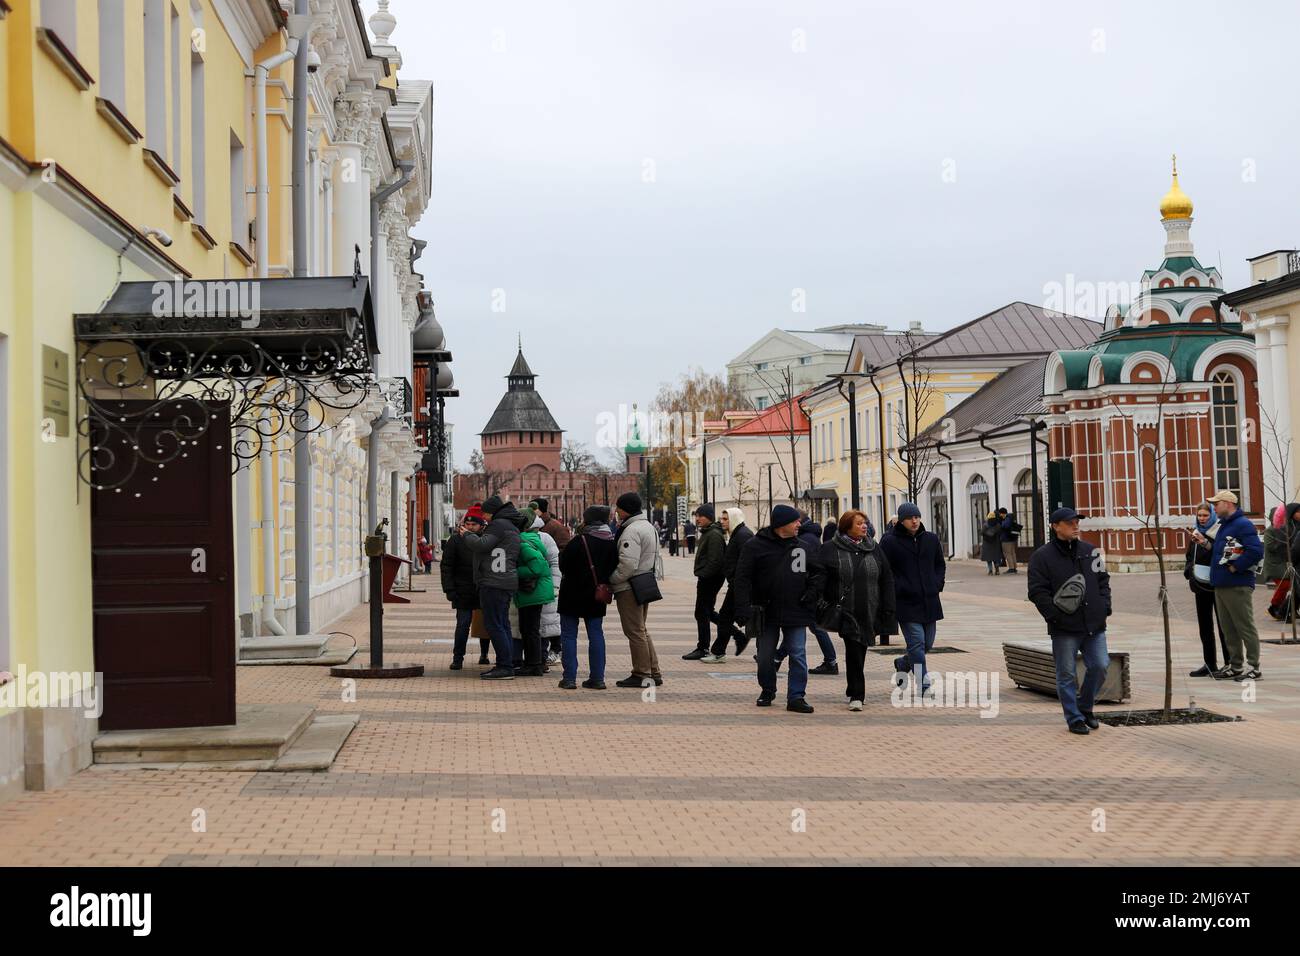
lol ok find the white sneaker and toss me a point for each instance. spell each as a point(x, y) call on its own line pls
point(855, 705)
point(552, 657)
point(713, 658)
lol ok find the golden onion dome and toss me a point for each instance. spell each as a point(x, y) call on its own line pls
point(1176, 204)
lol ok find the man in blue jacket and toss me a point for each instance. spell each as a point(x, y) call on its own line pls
point(1069, 585)
point(1237, 549)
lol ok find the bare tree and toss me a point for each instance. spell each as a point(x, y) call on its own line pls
point(1152, 503)
point(779, 384)
point(917, 451)
point(744, 488)
point(1277, 453)
point(575, 456)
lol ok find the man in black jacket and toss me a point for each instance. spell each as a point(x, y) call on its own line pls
point(738, 533)
point(1069, 585)
point(916, 560)
point(496, 566)
point(709, 561)
point(457, 572)
point(777, 584)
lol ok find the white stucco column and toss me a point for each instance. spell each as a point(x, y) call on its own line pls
point(1263, 365)
point(351, 200)
point(1281, 381)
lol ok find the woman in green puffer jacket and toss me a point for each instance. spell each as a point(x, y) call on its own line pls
point(536, 590)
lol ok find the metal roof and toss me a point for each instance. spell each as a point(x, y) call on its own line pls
point(1015, 329)
point(1015, 393)
point(521, 408)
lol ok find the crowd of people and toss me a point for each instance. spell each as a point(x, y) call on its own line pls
point(524, 584)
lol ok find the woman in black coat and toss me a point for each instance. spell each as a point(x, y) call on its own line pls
point(1196, 568)
point(587, 560)
point(457, 574)
point(1281, 607)
point(991, 543)
point(857, 596)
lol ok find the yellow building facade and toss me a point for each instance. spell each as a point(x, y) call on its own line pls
point(128, 153)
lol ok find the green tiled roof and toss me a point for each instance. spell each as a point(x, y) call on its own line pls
point(1184, 345)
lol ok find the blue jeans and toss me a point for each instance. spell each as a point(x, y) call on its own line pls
point(595, 646)
point(496, 617)
point(463, 618)
point(792, 641)
point(1096, 659)
point(920, 639)
point(825, 643)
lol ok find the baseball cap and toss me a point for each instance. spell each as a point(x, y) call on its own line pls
point(1064, 514)
point(1224, 496)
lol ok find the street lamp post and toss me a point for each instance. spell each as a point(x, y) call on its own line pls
point(769, 466)
point(852, 398)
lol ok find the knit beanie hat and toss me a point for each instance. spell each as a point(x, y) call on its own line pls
point(630, 502)
point(783, 515)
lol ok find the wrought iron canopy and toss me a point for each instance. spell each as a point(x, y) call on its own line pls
point(287, 355)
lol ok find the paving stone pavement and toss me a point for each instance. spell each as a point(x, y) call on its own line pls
point(446, 770)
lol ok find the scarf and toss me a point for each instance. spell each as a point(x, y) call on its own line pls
point(1204, 528)
point(850, 555)
point(598, 531)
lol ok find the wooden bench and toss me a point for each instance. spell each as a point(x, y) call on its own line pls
point(1030, 665)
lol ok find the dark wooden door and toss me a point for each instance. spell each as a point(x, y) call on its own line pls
point(163, 572)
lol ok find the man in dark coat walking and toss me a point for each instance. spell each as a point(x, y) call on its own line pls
point(710, 560)
point(777, 586)
point(738, 534)
point(496, 569)
point(457, 573)
point(916, 559)
point(810, 533)
point(1069, 585)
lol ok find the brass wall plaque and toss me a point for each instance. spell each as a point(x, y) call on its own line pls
point(54, 389)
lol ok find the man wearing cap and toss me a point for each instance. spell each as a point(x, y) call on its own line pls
point(457, 571)
point(916, 560)
point(1069, 585)
point(496, 568)
point(638, 548)
point(709, 561)
point(552, 525)
point(1237, 549)
point(778, 583)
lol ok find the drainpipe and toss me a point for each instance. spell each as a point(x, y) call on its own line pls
point(269, 498)
point(884, 482)
point(303, 484)
point(997, 494)
point(376, 201)
point(952, 497)
point(303, 494)
point(263, 175)
point(303, 15)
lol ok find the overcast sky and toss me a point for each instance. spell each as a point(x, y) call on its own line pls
point(898, 161)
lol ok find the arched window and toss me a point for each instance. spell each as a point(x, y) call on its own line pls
point(1225, 400)
point(1022, 504)
point(939, 510)
point(978, 490)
